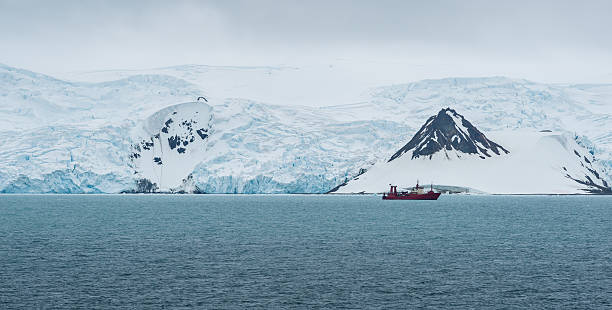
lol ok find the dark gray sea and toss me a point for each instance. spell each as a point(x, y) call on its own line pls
point(300, 251)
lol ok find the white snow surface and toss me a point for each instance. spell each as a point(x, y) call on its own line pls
point(77, 136)
point(172, 142)
point(538, 163)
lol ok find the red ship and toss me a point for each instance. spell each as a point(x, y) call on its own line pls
point(417, 193)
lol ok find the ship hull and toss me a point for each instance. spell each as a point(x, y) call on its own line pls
point(427, 196)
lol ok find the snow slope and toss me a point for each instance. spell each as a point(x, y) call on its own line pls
point(537, 163)
point(281, 85)
point(171, 143)
point(73, 136)
point(29, 100)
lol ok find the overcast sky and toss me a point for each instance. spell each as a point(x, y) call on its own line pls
point(549, 41)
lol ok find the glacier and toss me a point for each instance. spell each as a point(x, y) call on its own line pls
point(76, 134)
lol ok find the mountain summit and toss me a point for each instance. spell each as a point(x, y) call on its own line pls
point(449, 131)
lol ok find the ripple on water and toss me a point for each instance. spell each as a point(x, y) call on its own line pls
point(216, 251)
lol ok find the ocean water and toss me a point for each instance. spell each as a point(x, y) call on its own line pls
point(216, 251)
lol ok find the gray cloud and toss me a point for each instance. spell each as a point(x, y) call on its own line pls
point(568, 38)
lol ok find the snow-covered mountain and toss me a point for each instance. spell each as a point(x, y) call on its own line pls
point(450, 151)
point(73, 137)
point(171, 143)
point(450, 134)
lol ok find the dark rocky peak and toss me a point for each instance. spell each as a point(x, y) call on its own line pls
point(449, 131)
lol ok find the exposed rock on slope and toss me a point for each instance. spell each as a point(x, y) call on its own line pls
point(449, 150)
point(449, 131)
